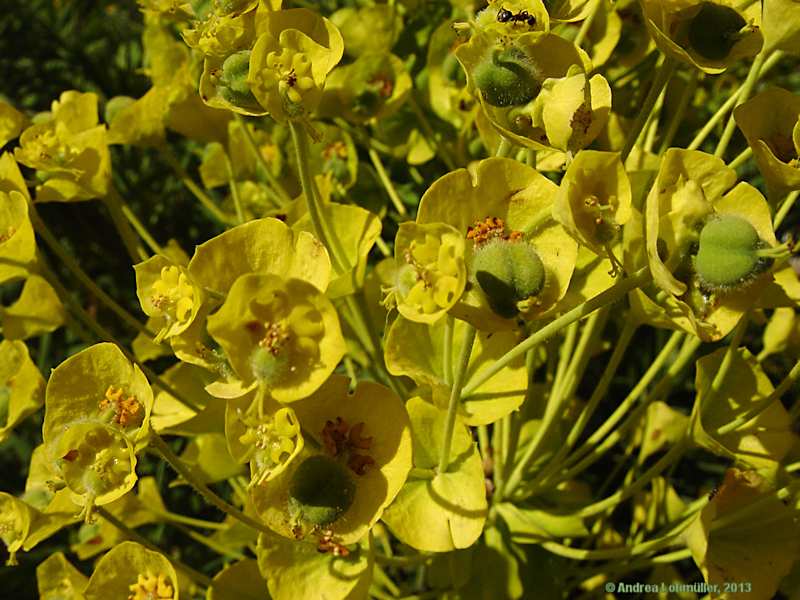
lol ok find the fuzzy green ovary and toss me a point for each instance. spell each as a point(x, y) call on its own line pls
point(506, 78)
point(321, 490)
point(714, 30)
point(508, 272)
point(727, 253)
point(233, 85)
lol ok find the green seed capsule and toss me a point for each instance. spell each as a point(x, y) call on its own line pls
point(233, 81)
point(269, 367)
point(728, 253)
point(321, 490)
point(714, 30)
point(507, 78)
point(508, 272)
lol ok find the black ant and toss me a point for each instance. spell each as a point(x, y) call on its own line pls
point(506, 16)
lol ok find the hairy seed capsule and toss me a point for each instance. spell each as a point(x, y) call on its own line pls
point(321, 490)
point(506, 78)
point(508, 272)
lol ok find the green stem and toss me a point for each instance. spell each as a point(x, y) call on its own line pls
point(205, 200)
point(315, 210)
point(277, 193)
point(114, 204)
point(387, 183)
point(747, 88)
point(609, 296)
point(455, 395)
point(186, 473)
point(141, 230)
point(198, 577)
point(680, 111)
point(208, 542)
point(587, 23)
point(662, 77)
point(237, 202)
point(763, 404)
point(727, 106)
point(172, 517)
point(742, 158)
point(447, 355)
point(787, 205)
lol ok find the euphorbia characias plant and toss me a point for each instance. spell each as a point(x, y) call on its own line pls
point(361, 299)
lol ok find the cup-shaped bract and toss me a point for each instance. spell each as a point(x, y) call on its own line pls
point(431, 274)
point(96, 463)
point(264, 433)
point(57, 579)
point(507, 75)
point(15, 522)
point(363, 459)
point(223, 30)
point(166, 291)
point(781, 26)
point(572, 110)
point(132, 571)
point(21, 386)
point(513, 17)
point(69, 150)
point(281, 333)
point(372, 87)
point(771, 123)
point(290, 61)
point(17, 242)
point(709, 247)
point(501, 201)
point(594, 200)
point(97, 385)
point(709, 35)
point(11, 123)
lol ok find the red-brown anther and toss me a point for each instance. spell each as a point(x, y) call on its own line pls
point(71, 456)
point(334, 436)
point(124, 408)
point(360, 463)
point(255, 327)
point(491, 228)
point(355, 438)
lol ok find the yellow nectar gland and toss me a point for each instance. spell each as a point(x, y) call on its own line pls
point(490, 228)
point(173, 295)
point(337, 149)
point(151, 587)
point(290, 70)
point(341, 440)
point(272, 441)
point(125, 409)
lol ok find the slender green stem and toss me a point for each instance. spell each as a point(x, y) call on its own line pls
point(747, 88)
point(455, 395)
point(728, 105)
point(587, 23)
point(315, 210)
point(205, 200)
point(237, 202)
point(742, 158)
point(758, 407)
point(786, 206)
point(172, 517)
point(680, 111)
point(709, 391)
point(209, 542)
point(447, 355)
point(387, 182)
point(203, 580)
point(277, 193)
point(141, 230)
point(593, 449)
point(660, 81)
point(186, 473)
point(503, 148)
point(114, 204)
point(629, 490)
point(566, 352)
point(609, 296)
point(625, 337)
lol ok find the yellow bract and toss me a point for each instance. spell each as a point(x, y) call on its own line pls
point(131, 571)
point(69, 150)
